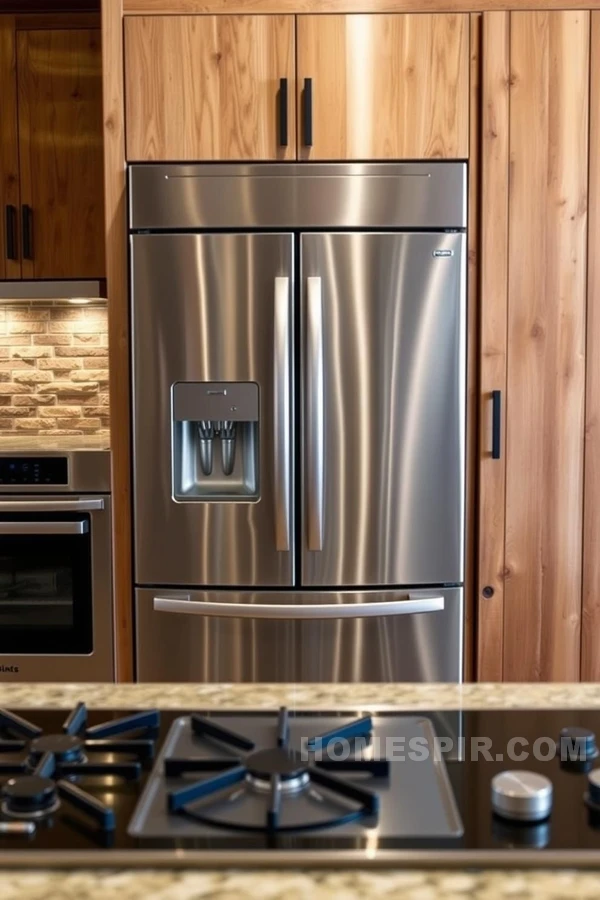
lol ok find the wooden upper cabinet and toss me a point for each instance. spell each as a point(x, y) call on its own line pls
point(10, 263)
point(209, 87)
point(61, 153)
point(384, 86)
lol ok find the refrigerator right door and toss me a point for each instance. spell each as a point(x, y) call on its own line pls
point(383, 408)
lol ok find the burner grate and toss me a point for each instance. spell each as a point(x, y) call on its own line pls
point(279, 771)
point(51, 759)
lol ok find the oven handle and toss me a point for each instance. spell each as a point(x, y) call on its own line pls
point(51, 506)
point(44, 528)
point(414, 604)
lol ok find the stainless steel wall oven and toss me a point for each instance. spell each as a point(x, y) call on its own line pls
point(56, 567)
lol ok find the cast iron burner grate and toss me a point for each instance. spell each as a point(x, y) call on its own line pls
point(50, 760)
point(282, 773)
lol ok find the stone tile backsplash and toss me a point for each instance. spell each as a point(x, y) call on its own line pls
point(53, 369)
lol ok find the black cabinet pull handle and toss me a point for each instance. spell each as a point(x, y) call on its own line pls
point(308, 113)
point(11, 232)
point(27, 226)
point(496, 423)
point(283, 112)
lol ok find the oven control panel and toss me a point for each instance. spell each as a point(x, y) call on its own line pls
point(42, 470)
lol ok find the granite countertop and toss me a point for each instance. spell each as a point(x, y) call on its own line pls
point(301, 884)
point(38, 443)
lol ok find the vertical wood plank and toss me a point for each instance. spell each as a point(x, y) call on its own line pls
point(546, 330)
point(590, 638)
point(493, 270)
point(385, 86)
point(118, 327)
point(9, 141)
point(472, 346)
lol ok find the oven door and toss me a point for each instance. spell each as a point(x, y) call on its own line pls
point(46, 580)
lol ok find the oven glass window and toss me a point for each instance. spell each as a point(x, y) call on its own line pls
point(45, 584)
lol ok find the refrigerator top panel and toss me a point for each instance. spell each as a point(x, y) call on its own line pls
point(430, 195)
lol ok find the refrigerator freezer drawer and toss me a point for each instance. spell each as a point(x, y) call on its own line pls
point(337, 636)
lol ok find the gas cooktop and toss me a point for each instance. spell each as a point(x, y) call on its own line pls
point(98, 788)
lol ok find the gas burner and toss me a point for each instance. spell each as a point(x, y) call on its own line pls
point(280, 773)
point(51, 759)
point(279, 762)
point(66, 748)
point(29, 797)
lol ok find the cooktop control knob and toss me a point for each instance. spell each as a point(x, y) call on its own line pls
point(576, 745)
point(592, 797)
point(522, 796)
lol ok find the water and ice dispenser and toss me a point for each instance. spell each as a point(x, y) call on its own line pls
point(215, 440)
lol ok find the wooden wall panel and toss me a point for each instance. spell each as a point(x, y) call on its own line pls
point(546, 326)
point(493, 354)
point(115, 205)
point(234, 7)
point(590, 638)
point(204, 88)
point(9, 142)
point(385, 87)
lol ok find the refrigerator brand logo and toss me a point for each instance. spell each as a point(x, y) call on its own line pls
point(443, 253)
point(14, 669)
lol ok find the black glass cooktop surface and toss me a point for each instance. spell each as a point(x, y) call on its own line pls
point(218, 788)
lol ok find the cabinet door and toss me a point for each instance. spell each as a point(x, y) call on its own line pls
point(61, 153)
point(210, 87)
point(10, 265)
point(383, 86)
point(540, 130)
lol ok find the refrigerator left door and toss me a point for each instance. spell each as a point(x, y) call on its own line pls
point(212, 318)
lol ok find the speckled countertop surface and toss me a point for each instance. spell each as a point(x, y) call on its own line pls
point(38, 443)
point(305, 884)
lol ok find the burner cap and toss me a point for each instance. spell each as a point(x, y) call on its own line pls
point(29, 796)
point(276, 761)
point(577, 745)
point(66, 747)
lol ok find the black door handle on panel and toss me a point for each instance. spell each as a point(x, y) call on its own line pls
point(496, 423)
point(27, 226)
point(11, 232)
point(308, 112)
point(283, 112)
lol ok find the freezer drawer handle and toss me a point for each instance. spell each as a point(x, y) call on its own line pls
point(406, 607)
point(281, 394)
point(44, 527)
point(314, 415)
point(51, 506)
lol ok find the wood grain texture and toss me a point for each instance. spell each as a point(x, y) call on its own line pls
point(546, 327)
point(385, 87)
point(590, 618)
point(235, 7)
point(115, 205)
point(54, 20)
point(206, 87)
point(473, 314)
point(9, 140)
point(493, 353)
point(60, 149)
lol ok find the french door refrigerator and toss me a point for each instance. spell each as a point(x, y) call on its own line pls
point(298, 361)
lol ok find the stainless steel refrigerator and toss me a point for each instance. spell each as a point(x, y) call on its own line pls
point(299, 421)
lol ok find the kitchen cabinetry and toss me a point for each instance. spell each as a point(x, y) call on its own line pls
point(210, 87)
point(383, 86)
point(535, 81)
point(52, 153)
point(368, 87)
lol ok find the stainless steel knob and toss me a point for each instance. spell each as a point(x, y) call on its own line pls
point(523, 796)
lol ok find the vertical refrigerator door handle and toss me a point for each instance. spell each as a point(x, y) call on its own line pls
point(282, 416)
point(314, 414)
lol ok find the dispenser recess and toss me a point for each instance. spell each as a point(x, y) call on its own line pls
point(215, 441)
